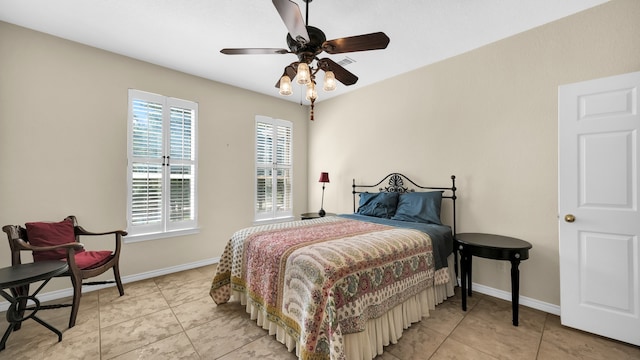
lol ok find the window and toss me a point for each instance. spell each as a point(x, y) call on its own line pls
point(162, 165)
point(274, 167)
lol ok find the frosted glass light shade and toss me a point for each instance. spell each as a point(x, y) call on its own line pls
point(285, 86)
point(329, 81)
point(304, 76)
point(312, 94)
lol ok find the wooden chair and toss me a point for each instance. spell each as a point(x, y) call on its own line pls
point(62, 241)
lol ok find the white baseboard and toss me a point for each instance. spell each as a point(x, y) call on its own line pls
point(526, 301)
point(63, 293)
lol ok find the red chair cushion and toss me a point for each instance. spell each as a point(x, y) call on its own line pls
point(50, 234)
point(90, 259)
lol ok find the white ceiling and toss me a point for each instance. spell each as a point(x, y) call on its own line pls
point(187, 35)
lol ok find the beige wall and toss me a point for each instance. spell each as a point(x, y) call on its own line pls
point(63, 149)
point(489, 117)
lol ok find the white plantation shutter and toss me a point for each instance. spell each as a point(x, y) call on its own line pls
point(274, 151)
point(162, 164)
point(283, 169)
point(182, 166)
point(264, 166)
point(146, 172)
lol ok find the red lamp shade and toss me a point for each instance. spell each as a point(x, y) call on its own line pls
point(324, 177)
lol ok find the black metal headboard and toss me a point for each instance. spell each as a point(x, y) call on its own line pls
point(396, 182)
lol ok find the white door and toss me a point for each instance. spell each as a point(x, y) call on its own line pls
point(598, 206)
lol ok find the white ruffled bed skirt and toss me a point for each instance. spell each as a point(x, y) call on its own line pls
point(379, 332)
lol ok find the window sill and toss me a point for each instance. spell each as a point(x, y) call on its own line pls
point(163, 235)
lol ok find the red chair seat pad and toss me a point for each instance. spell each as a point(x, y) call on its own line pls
point(90, 259)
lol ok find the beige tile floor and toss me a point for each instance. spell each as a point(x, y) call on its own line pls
point(173, 317)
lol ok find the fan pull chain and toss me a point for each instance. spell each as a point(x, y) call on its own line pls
point(311, 114)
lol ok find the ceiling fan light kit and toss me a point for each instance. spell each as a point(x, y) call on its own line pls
point(312, 94)
point(285, 86)
point(329, 81)
point(307, 42)
point(304, 75)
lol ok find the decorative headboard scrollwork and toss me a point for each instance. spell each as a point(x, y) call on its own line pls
point(396, 184)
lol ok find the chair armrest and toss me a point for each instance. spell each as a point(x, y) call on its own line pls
point(79, 230)
point(82, 231)
point(27, 246)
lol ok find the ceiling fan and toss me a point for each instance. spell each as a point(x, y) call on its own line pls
point(307, 42)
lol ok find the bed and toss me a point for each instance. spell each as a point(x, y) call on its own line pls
point(342, 287)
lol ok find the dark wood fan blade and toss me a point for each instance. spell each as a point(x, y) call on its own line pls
point(254, 51)
point(291, 70)
point(343, 75)
point(373, 41)
point(292, 18)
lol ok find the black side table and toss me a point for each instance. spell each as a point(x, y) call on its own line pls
point(17, 278)
point(314, 215)
point(495, 247)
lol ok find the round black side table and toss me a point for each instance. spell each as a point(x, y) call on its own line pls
point(494, 247)
point(17, 278)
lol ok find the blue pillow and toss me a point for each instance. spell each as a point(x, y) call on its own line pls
point(423, 207)
point(382, 205)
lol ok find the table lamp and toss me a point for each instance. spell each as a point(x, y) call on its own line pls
point(324, 178)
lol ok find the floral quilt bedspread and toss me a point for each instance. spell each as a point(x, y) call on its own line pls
point(322, 278)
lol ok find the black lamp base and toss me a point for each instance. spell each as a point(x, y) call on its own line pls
point(322, 213)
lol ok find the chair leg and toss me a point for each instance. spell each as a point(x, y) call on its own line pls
point(77, 294)
point(116, 275)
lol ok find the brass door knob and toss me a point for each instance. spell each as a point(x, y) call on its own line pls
point(569, 218)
